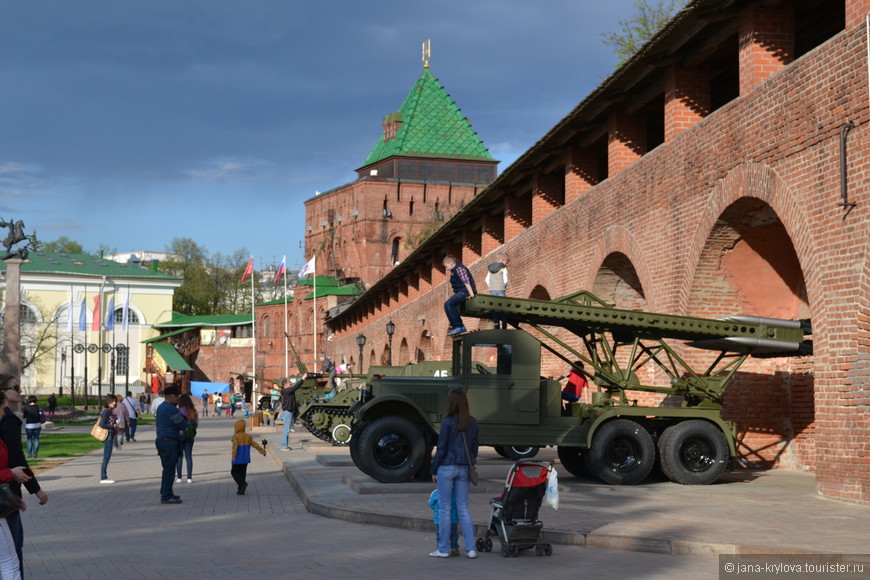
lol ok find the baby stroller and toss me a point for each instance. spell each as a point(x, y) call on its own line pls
point(515, 513)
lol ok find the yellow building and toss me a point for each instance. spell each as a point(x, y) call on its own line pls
point(63, 345)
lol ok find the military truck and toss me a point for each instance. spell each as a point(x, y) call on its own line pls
point(612, 437)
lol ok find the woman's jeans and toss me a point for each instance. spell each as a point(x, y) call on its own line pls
point(33, 441)
point(186, 452)
point(107, 454)
point(453, 480)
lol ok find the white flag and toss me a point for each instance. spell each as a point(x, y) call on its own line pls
point(308, 268)
point(69, 313)
point(125, 319)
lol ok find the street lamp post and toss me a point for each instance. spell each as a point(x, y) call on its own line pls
point(361, 342)
point(391, 329)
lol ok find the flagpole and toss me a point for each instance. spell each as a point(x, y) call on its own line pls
point(126, 323)
point(315, 313)
point(254, 337)
point(286, 326)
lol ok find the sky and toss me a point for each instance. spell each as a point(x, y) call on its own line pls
point(129, 123)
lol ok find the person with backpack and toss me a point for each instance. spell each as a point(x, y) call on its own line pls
point(187, 408)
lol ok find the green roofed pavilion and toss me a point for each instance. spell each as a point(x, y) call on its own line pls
point(429, 125)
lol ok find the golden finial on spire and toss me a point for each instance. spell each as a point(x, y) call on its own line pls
point(427, 52)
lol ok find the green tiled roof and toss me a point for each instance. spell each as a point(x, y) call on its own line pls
point(432, 126)
point(167, 335)
point(346, 290)
point(174, 360)
point(321, 281)
point(277, 301)
point(85, 265)
point(209, 320)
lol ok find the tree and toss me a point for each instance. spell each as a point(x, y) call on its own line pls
point(62, 245)
point(650, 17)
point(188, 261)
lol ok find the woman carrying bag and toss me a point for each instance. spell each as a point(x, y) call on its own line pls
point(108, 421)
point(455, 457)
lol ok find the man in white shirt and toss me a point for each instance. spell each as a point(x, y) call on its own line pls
point(133, 412)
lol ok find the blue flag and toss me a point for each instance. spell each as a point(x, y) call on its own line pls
point(83, 316)
point(110, 315)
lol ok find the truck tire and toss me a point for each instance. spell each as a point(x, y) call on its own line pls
point(356, 432)
point(391, 449)
point(517, 452)
point(693, 452)
point(622, 453)
point(571, 459)
point(500, 450)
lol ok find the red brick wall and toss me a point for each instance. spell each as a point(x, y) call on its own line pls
point(682, 218)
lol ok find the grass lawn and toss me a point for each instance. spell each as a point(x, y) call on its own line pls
point(65, 444)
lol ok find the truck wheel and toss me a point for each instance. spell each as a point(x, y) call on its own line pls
point(356, 431)
point(693, 452)
point(500, 450)
point(391, 449)
point(622, 453)
point(571, 459)
point(517, 452)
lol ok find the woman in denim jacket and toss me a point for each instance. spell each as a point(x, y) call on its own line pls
point(457, 448)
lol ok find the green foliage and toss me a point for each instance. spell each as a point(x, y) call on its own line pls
point(649, 18)
point(210, 282)
point(62, 245)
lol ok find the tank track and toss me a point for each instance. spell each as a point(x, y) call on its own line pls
point(320, 420)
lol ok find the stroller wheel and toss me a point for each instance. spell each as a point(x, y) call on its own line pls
point(478, 543)
point(487, 545)
point(515, 550)
point(548, 549)
point(539, 549)
point(505, 550)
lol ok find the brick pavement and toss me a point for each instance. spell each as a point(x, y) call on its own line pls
point(770, 511)
point(94, 531)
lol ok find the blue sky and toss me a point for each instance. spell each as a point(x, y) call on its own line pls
point(128, 123)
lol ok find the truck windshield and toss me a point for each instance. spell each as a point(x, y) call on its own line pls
point(491, 359)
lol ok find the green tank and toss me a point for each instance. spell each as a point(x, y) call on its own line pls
point(329, 417)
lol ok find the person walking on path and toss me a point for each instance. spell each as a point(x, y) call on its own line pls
point(289, 408)
point(157, 401)
point(52, 404)
point(109, 422)
point(242, 443)
point(462, 284)
point(457, 450)
point(169, 424)
point(186, 407)
point(33, 419)
point(204, 399)
point(10, 433)
point(122, 420)
point(133, 412)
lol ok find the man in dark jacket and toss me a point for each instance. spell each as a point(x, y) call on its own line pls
point(289, 408)
point(10, 432)
point(462, 284)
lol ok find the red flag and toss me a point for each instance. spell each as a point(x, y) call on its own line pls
point(248, 270)
point(95, 325)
